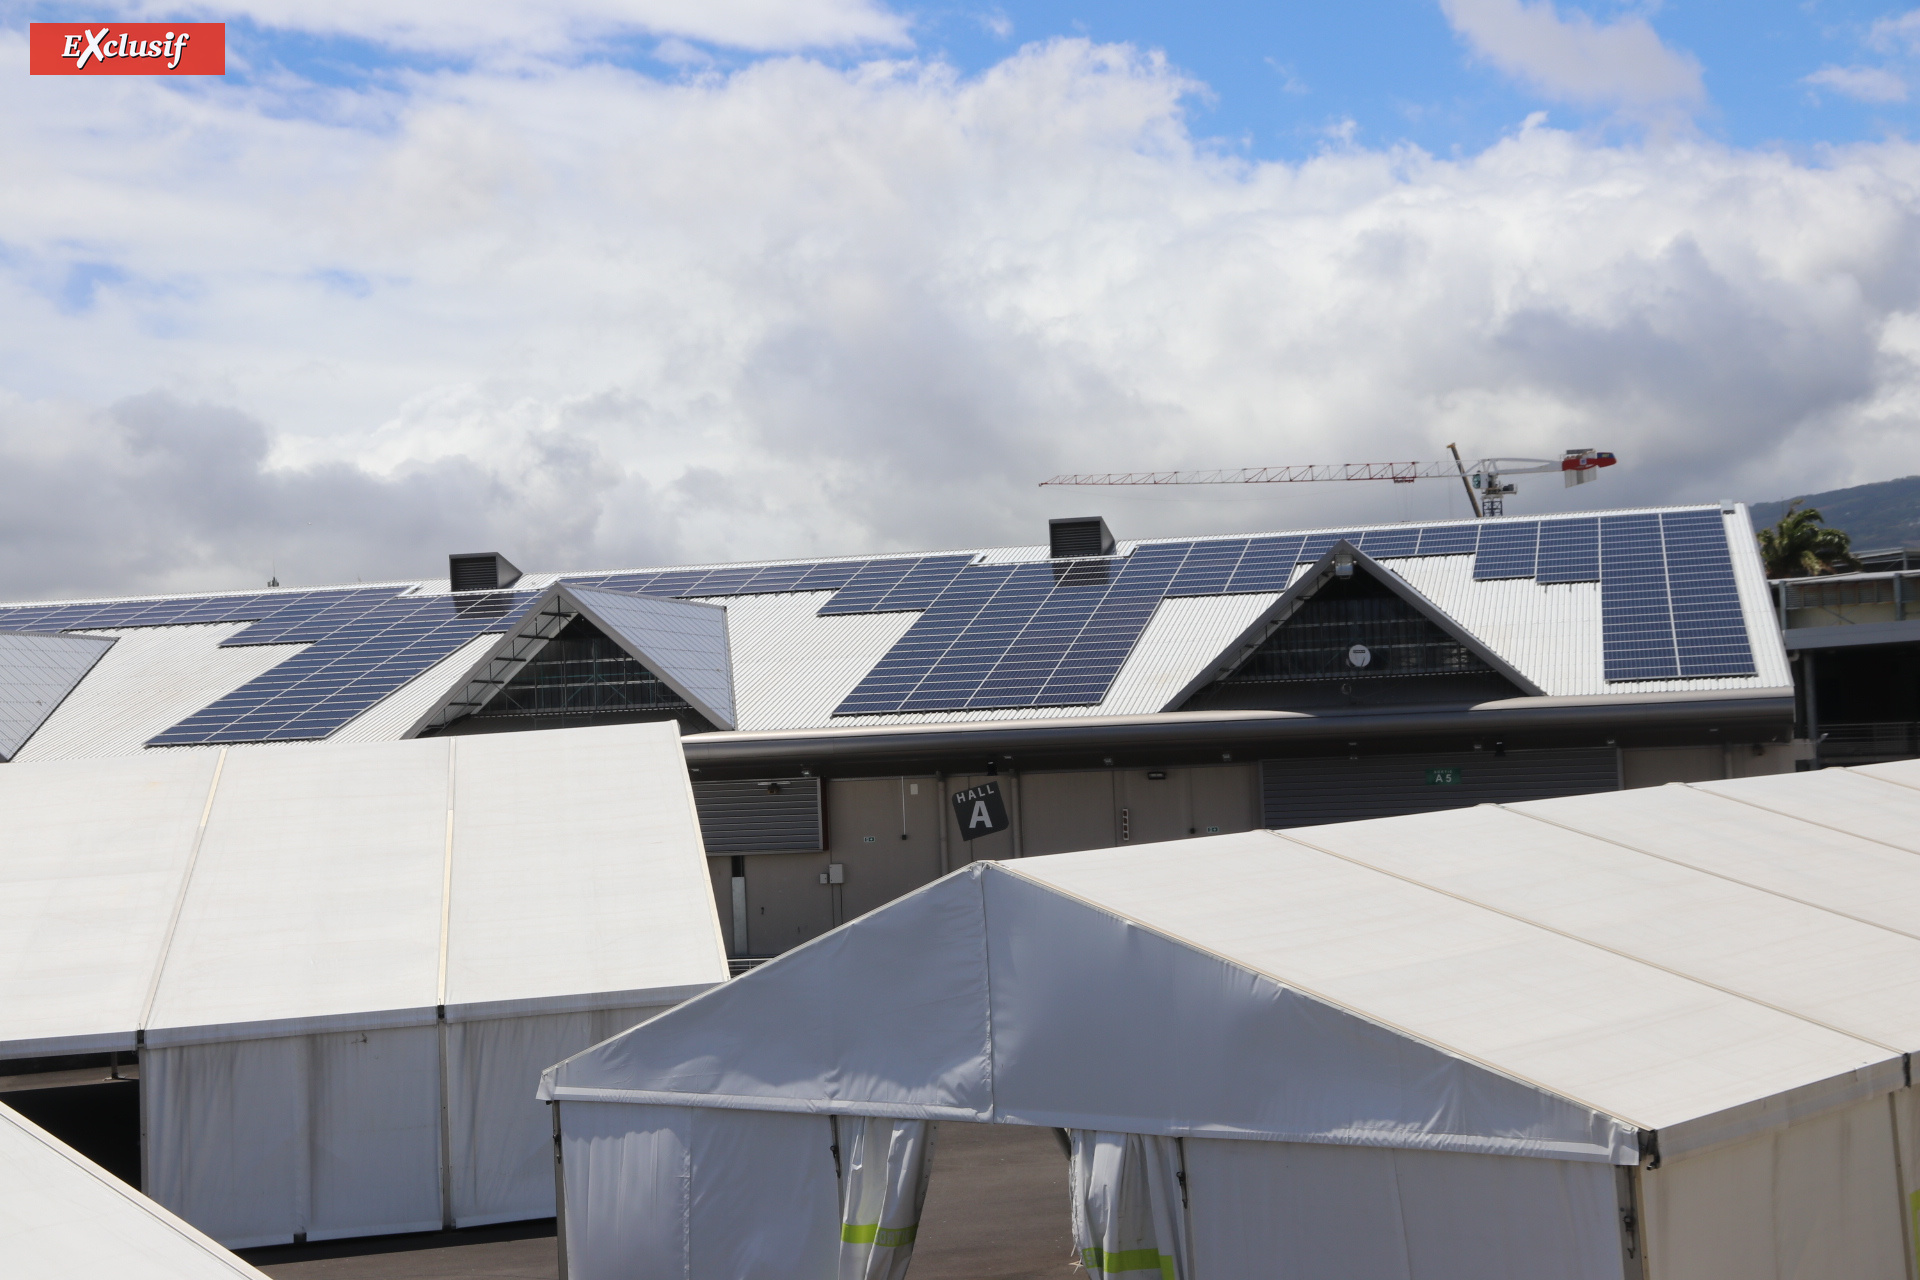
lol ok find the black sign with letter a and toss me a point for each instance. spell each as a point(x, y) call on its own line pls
point(980, 811)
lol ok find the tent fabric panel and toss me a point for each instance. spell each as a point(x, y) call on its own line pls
point(500, 1136)
point(225, 1145)
point(1819, 1200)
point(1646, 1046)
point(678, 1193)
point(888, 1009)
point(765, 1199)
point(63, 1215)
point(627, 1173)
point(634, 907)
point(317, 888)
point(328, 1136)
point(1837, 871)
point(1313, 1212)
point(1851, 800)
point(374, 1132)
point(1845, 974)
point(1279, 1064)
point(95, 855)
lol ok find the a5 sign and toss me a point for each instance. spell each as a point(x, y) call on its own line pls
point(128, 48)
point(981, 811)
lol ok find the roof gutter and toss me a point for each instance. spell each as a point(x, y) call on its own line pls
point(1756, 715)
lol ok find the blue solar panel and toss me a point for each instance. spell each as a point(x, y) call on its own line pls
point(1636, 616)
point(1208, 569)
point(1317, 545)
point(1267, 565)
point(896, 586)
point(1382, 543)
point(1047, 634)
point(1569, 551)
point(1709, 628)
point(1450, 540)
point(1507, 551)
point(365, 658)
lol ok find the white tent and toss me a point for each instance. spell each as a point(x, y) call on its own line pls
point(63, 1215)
point(1657, 1033)
point(344, 966)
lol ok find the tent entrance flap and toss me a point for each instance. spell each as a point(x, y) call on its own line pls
point(1130, 1205)
point(883, 1186)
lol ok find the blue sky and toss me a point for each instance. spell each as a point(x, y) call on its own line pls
point(1283, 75)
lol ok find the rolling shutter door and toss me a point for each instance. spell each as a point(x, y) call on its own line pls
point(1298, 793)
point(771, 816)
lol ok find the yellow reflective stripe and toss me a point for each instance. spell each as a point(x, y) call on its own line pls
point(1913, 1216)
point(878, 1236)
point(1098, 1259)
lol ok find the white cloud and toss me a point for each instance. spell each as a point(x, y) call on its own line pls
point(594, 318)
point(461, 27)
point(1868, 84)
point(1896, 34)
point(1573, 58)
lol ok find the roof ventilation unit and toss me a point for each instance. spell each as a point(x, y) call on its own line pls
point(1078, 537)
point(480, 571)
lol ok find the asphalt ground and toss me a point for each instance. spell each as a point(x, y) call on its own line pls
point(996, 1210)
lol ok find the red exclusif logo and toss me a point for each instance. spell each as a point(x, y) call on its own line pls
point(129, 49)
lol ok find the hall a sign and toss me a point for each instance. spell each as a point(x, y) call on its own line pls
point(980, 810)
point(128, 48)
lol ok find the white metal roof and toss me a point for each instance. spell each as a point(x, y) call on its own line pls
point(63, 1215)
point(1675, 959)
point(206, 895)
point(792, 667)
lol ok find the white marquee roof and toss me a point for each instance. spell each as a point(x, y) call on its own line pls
point(63, 1215)
point(1551, 978)
point(205, 895)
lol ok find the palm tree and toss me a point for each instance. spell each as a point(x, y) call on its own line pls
point(1801, 545)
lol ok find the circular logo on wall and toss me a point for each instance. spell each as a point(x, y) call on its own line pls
point(1359, 655)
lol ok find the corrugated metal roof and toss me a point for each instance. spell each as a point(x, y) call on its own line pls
point(153, 678)
point(793, 667)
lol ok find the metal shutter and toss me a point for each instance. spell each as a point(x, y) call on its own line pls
point(1297, 793)
point(747, 817)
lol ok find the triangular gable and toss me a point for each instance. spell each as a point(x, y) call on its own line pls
point(990, 996)
point(682, 642)
point(886, 1015)
point(37, 672)
point(1308, 584)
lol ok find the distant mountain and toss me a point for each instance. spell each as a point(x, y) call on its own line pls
point(1886, 514)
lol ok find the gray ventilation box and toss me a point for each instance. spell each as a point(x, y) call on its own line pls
point(1077, 537)
point(481, 571)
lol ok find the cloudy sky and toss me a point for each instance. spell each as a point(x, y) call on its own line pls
point(603, 283)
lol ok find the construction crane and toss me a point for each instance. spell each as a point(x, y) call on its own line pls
point(1484, 481)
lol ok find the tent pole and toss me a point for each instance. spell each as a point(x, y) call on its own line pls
point(940, 818)
point(559, 1194)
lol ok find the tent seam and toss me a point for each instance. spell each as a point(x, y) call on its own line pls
point(1794, 817)
point(1718, 875)
point(1373, 1019)
point(180, 899)
point(1517, 918)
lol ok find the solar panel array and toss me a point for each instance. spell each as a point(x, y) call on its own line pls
point(1053, 633)
point(112, 614)
point(354, 659)
point(1668, 604)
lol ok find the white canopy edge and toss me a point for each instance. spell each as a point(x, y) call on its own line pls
point(62, 1214)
